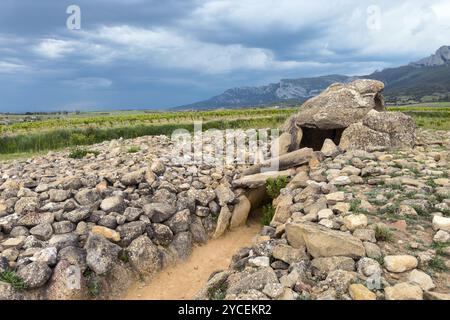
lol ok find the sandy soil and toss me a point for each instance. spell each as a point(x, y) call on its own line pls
point(183, 280)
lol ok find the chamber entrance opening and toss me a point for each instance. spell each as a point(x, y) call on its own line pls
point(314, 138)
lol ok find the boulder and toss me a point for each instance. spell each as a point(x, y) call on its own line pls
point(441, 223)
point(256, 280)
point(360, 292)
point(224, 194)
point(130, 231)
point(159, 212)
point(107, 233)
point(388, 129)
point(26, 205)
point(404, 291)
point(341, 105)
point(35, 274)
point(400, 263)
point(144, 256)
point(422, 279)
point(67, 283)
point(87, 197)
point(182, 245)
point(323, 242)
point(161, 234)
point(289, 254)
point(180, 221)
point(113, 204)
point(101, 254)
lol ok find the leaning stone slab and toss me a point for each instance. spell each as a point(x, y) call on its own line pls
point(283, 162)
point(259, 179)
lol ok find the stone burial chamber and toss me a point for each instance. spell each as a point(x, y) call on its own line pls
point(351, 116)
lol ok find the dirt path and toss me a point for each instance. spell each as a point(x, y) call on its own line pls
point(183, 280)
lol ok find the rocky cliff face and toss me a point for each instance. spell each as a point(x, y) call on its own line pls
point(441, 57)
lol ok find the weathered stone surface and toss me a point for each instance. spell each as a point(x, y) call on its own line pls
point(87, 197)
point(400, 263)
point(58, 195)
point(422, 279)
point(390, 129)
point(360, 292)
point(144, 256)
point(403, 291)
point(441, 223)
point(26, 205)
point(288, 254)
point(159, 212)
point(259, 179)
point(113, 204)
point(282, 211)
point(180, 221)
point(34, 218)
point(67, 283)
point(222, 222)
point(328, 264)
point(35, 274)
point(355, 221)
point(340, 105)
point(256, 280)
point(109, 234)
point(224, 195)
point(100, 254)
point(182, 245)
point(323, 242)
point(240, 212)
point(161, 234)
point(42, 231)
point(130, 231)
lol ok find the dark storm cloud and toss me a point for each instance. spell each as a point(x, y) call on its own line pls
point(148, 53)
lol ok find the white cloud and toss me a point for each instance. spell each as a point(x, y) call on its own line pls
point(89, 83)
point(55, 48)
point(12, 67)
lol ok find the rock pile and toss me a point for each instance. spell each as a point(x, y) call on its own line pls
point(81, 228)
point(357, 225)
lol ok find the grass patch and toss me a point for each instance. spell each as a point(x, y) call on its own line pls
point(267, 214)
point(123, 256)
point(430, 182)
point(439, 247)
point(12, 278)
point(383, 234)
point(395, 186)
point(134, 149)
point(80, 153)
point(274, 186)
point(217, 293)
point(437, 264)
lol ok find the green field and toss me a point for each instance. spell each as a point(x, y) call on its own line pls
point(55, 131)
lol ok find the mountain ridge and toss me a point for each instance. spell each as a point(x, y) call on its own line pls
point(428, 77)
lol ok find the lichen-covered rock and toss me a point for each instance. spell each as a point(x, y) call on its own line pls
point(144, 256)
point(100, 254)
point(67, 283)
point(35, 274)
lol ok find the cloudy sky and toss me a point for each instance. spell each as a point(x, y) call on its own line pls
point(132, 54)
